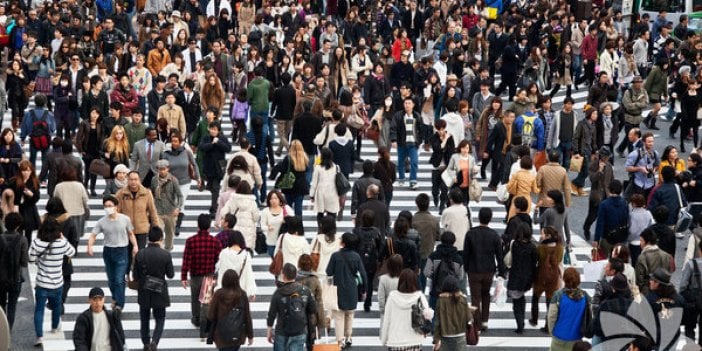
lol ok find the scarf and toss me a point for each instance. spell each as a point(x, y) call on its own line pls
point(120, 183)
point(161, 181)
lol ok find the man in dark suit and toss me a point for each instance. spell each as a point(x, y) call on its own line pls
point(496, 147)
point(75, 72)
point(413, 21)
point(320, 56)
point(190, 102)
point(282, 107)
point(291, 21)
point(382, 215)
point(57, 160)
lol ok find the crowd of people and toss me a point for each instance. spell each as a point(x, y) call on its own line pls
point(139, 89)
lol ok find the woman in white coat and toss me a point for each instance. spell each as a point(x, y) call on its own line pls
point(237, 258)
point(326, 243)
point(323, 188)
point(293, 244)
point(272, 218)
point(242, 205)
point(397, 332)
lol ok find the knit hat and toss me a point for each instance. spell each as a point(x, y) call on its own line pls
point(120, 168)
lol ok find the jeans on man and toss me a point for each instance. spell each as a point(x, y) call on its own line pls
point(145, 318)
point(33, 157)
point(402, 153)
point(8, 301)
point(41, 296)
point(116, 263)
point(577, 66)
point(289, 343)
point(565, 148)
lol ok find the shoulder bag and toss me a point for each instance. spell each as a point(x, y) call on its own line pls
point(150, 283)
point(277, 263)
point(391, 251)
point(684, 217)
point(315, 255)
point(342, 184)
point(287, 180)
point(99, 167)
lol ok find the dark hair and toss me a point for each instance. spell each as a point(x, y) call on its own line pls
point(49, 230)
point(304, 263)
point(340, 129)
point(485, 215)
point(526, 162)
point(448, 238)
point(638, 200)
point(523, 232)
point(395, 264)
point(155, 234)
point(406, 215)
point(616, 264)
point(643, 343)
point(243, 188)
point(695, 157)
point(238, 163)
point(230, 280)
point(462, 144)
point(40, 100)
point(236, 238)
point(327, 158)
point(294, 224)
point(233, 181)
point(668, 174)
point(230, 219)
point(54, 207)
point(456, 195)
point(615, 187)
point(13, 221)
point(350, 240)
point(289, 271)
point(407, 283)
point(571, 278)
point(367, 218)
point(552, 233)
point(277, 193)
point(521, 203)
point(203, 221)
point(327, 226)
point(110, 198)
point(422, 201)
point(649, 236)
point(557, 198)
point(622, 251)
point(401, 227)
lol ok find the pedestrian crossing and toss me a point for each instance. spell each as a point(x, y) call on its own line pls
point(180, 334)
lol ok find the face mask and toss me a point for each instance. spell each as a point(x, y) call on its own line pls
point(388, 103)
point(110, 211)
point(64, 83)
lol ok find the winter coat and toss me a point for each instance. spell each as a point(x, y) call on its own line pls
point(301, 187)
point(397, 330)
point(549, 258)
point(342, 149)
point(155, 262)
point(524, 262)
point(83, 330)
point(292, 246)
point(128, 98)
point(634, 102)
point(27, 204)
point(451, 317)
point(311, 281)
point(323, 189)
point(244, 208)
point(567, 314)
point(344, 265)
point(434, 259)
point(242, 263)
point(222, 302)
point(325, 249)
point(278, 306)
point(667, 195)
point(214, 154)
point(170, 197)
point(612, 212)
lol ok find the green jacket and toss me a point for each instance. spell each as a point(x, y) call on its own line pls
point(168, 197)
point(200, 132)
point(257, 94)
point(451, 318)
point(656, 83)
point(134, 132)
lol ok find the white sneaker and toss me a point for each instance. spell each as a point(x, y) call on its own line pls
point(679, 235)
point(401, 182)
point(57, 330)
point(414, 186)
point(38, 342)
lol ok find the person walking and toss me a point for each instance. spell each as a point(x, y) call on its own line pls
point(325, 244)
point(15, 249)
point(88, 141)
point(25, 185)
point(199, 258)
point(453, 315)
point(568, 315)
point(297, 163)
point(690, 281)
point(323, 192)
point(546, 280)
point(481, 249)
point(406, 138)
point(184, 168)
point(168, 200)
point(435, 269)
point(601, 175)
point(272, 218)
point(612, 218)
point(145, 155)
point(224, 300)
point(48, 250)
point(98, 328)
point(214, 146)
point(118, 234)
point(522, 272)
point(291, 326)
point(443, 147)
point(152, 266)
point(396, 332)
point(292, 243)
point(346, 268)
point(137, 202)
point(236, 257)
point(307, 277)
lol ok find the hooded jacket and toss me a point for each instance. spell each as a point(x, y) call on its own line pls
point(242, 263)
point(83, 332)
point(443, 251)
point(244, 208)
point(396, 330)
point(277, 306)
point(292, 246)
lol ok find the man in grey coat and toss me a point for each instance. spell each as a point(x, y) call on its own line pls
point(167, 198)
point(145, 155)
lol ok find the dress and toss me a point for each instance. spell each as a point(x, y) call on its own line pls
point(323, 190)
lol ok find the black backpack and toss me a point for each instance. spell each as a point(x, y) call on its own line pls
point(10, 270)
point(295, 313)
point(442, 270)
point(368, 249)
point(232, 326)
point(40, 131)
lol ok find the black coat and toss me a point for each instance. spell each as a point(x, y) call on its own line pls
point(155, 262)
point(301, 187)
point(343, 266)
point(343, 156)
point(27, 204)
point(375, 90)
point(398, 131)
point(382, 215)
point(496, 138)
point(101, 101)
point(214, 154)
point(192, 110)
point(441, 154)
point(305, 127)
point(406, 20)
point(401, 73)
point(283, 103)
point(523, 271)
point(405, 248)
point(154, 102)
point(83, 330)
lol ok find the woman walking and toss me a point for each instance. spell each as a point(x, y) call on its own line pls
point(115, 151)
point(184, 168)
point(153, 264)
point(325, 244)
point(235, 257)
point(460, 167)
point(569, 313)
point(555, 215)
point(385, 171)
point(26, 188)
point(273, 217)
point(346, 268)
point(396, 332)
point(230, 296)
point(323, 192)
point(547, 279)
point(453, 314)
point(88, 141)
point(522, 272)
point(242, 204)
point(297, 164)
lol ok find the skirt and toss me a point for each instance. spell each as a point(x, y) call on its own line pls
point(44, 86)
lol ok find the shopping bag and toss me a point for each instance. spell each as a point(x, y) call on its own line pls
point(597, 255)
point(207, 288)
point(576, 163)
point(329, 296)
point(502, 193)
point(447, 177)
point(325, 345)
point(500, 296)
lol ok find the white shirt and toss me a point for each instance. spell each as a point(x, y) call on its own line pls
point(101, 333)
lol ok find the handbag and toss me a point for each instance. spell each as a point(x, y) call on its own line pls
point(472, 334)
point(420, 324)
point(597, 255)
point(100, 167)
point(539, 159)
point(131, 282)
point(507, 260)
point(150, 283)
point(287, 180)
point(373, 131)
point(342, 184)
point(684, 217)
point(207, 288)
point(447, 177)
point(475, 192)
point(355, 121)
point(261, 246)
point(315, 255)
point(576, 163)
point(277, 263)
point(330, 299)
point(502, 193)
point(699, 114)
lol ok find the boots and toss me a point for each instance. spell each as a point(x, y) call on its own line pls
point(179, 221)
point(652, 121)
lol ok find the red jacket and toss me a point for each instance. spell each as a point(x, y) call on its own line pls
point(129, 100)
point(397, 48)
point(589, 47)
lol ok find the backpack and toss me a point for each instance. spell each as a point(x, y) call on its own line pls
point(10, 270)
point(442, 270)
point(231, 327)
point(240, 110)
point(39, 136)
point(528, 130)
point(367, 249)
point(295, 313)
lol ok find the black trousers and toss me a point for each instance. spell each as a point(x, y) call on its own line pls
point(626, 144)
point(497, 168)
point(519, 310)
point(439, 191)
point(593, 207)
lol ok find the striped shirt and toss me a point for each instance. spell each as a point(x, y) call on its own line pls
point(49, 259)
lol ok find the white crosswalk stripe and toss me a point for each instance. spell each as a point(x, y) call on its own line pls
point(181, 335)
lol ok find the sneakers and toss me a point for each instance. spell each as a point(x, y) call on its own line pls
point(679, 235)
point(414, 186)
point(38, 342)
point(401, 182)
point(57, 330)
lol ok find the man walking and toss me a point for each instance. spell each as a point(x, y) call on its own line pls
point(291, 325)
point(137, 203)
point(145, 155)
point(39, 125)
point(168, 199)
point(405, 137)
point(98, 328)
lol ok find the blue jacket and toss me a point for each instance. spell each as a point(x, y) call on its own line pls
point(667, 195)
point(612, 212)
point(539, 131)
point(570, 322)
point(27, 122)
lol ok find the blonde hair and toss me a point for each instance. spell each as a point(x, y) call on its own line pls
point(298, 156)
point(119, 148)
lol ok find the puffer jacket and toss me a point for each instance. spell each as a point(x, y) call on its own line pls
point(397, 330)
point(244, 207)
point(293, 246)
point(242, 263)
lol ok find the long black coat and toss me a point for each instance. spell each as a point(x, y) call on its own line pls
point(523, 271)
point(27, 204)
point(343, 266)
point(156, 262)
point(214, 152)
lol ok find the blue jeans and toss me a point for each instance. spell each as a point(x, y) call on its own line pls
point(295, 202)
point(402, 153)
point(289, 343)
point(577, 66)
point(53, 296)
point(115, 259)
point(565, 148)
point(271, 250)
